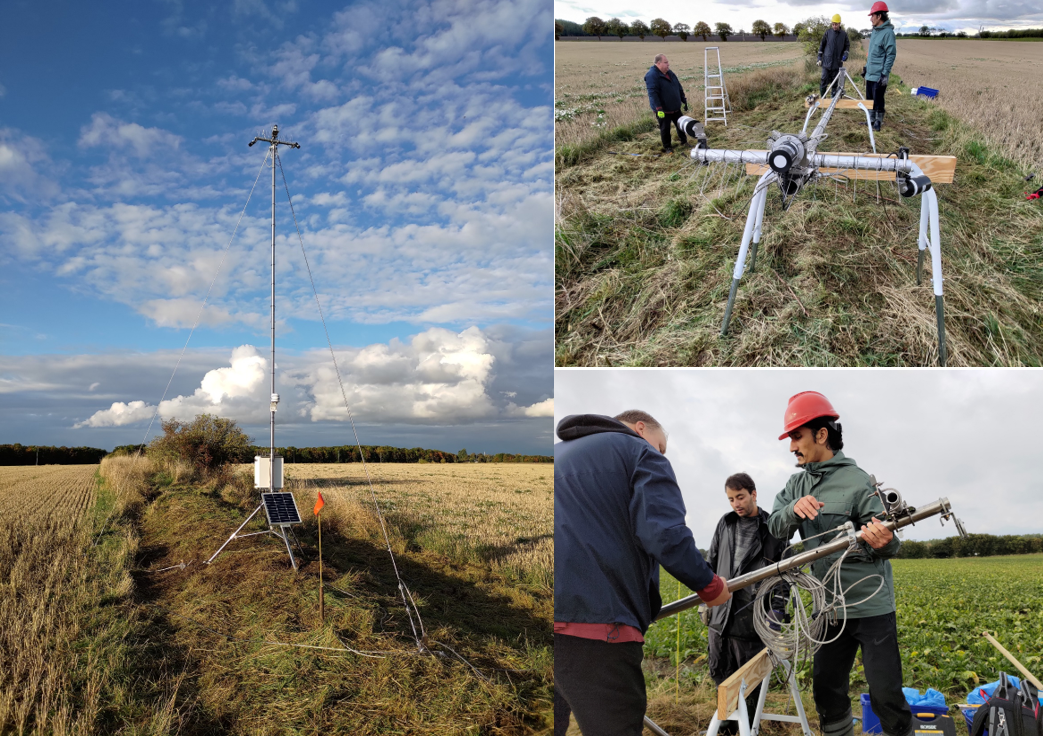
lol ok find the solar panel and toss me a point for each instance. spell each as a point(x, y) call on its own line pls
point(281, 508)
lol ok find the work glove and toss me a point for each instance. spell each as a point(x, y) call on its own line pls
point(684, 107)
point(820, 62)
point(660, 114)
point(844, 57)
point(863, 72)
point(776, 619)
point(883, 80)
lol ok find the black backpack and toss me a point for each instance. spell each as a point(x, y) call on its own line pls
point(1010, 711)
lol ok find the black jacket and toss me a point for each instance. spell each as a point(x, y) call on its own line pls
point(664, 90)
point(765, 550)
point(835, 44)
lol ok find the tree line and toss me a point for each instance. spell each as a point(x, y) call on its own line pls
point(595, 26)
point(371, 454)
point(973, 545)
point(18, 454)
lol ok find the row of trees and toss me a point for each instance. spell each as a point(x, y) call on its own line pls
point(18, 454)
point(973, 545)
point(210, 442)
point(595, 26)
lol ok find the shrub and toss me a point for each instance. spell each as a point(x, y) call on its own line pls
point(208, 443)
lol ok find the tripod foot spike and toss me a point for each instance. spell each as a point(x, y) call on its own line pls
point(728, 308)
point(939, 308)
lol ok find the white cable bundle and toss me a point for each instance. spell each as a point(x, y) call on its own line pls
point(803, 635)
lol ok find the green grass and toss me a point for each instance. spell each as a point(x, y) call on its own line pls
point(942, 608)
point(645, 248)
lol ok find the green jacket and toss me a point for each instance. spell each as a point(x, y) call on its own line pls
point(847, 493)
point(882, 51)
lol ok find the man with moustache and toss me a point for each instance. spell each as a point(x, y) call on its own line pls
point(830, 490)
point(741, 544)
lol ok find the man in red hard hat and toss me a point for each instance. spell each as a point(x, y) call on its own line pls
point(830, 490)
point(879, 60)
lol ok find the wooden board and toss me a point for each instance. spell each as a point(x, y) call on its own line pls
point(842, 105)
point(753, 672)
point(940, 169)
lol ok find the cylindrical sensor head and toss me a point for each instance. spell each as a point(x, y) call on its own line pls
point(785, 152)
point(912, 186)
point(692, 128)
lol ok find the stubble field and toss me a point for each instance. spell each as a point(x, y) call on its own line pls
point(599, 86)
point(992, 86)
point(46, 490)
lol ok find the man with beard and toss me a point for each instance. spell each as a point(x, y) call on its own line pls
point(741, 544)
point(830, 490)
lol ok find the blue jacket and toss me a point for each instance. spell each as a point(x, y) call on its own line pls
point(618, 516)
point(882, 52)
point(664, 90)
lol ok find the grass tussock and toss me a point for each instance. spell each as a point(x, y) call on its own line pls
point(645, 248)
point(112, 623)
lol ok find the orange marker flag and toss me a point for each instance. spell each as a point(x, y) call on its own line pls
point(318, 505)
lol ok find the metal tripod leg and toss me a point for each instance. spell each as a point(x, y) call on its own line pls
point(753, 220)
point(654, 728)
point(235, 533)
point(286, 539)
point(757, 233)
point(931, 201)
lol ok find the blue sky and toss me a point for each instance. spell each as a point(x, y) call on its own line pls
point(422, 188)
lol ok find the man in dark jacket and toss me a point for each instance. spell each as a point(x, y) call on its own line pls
point(666, 97)
point(832, 53)
point(618, 516)
point(741, 544)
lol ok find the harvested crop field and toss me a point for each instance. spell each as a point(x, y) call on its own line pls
point(500, 514)
point(992, 86)
point(598, 86)
point(46, 490)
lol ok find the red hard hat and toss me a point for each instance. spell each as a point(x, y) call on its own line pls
point(879, 7)
point(804, 407)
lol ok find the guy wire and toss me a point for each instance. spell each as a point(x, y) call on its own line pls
point(409, 604)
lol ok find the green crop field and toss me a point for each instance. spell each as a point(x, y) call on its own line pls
point(943, 607)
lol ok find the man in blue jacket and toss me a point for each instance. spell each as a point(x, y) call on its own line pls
point(618, 516)
point(666, 97)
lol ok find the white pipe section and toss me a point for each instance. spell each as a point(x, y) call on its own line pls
point(756, 208)
point(872, 163)
point(936, 241)
point(869, 123)
point(729, 156)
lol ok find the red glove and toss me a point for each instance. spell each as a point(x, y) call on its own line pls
point(1035, 195)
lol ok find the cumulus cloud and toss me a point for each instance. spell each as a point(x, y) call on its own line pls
point(25, 167)
point(105, 130)
point(119, 414)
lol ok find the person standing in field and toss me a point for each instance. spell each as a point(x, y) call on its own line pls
point(881, 57)
point(667, 99)
point(830, 490)
point(832, 53)
point(741, 544)
point(618, 516)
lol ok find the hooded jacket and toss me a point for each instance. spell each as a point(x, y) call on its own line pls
point(618, 516)
point(882, 52)
point(766, 549)
point(848, 494)
point(833, 48)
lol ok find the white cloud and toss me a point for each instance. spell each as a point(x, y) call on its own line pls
point(105, 130)
point(119, 414)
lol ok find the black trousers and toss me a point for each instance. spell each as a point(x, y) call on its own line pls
point(727, 654)
point(828, 75)
point(664, 128)
point(878, 638)
point(875, 92)
point(601, 684)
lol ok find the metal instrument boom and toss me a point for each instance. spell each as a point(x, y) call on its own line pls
point(941, 506)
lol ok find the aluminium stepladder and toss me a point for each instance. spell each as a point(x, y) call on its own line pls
point(716, 101)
